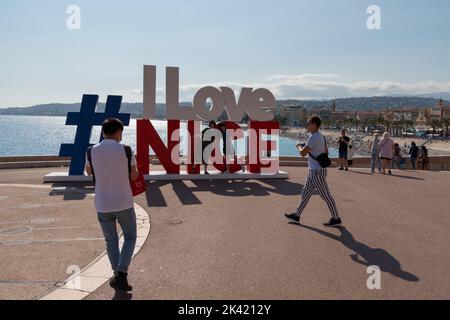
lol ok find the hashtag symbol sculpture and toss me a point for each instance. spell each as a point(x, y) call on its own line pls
point(85, 120)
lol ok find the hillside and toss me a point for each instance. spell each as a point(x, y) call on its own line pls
point(364, 103)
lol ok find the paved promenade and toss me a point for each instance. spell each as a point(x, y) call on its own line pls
point(229, 240)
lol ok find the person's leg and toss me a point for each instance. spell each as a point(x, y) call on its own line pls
point(372, 164)
point(127, 222)
point(413, 163)
point(345, 160)
point(307, 192)
point(379, 164)
point(108, 225)
point(322, 188)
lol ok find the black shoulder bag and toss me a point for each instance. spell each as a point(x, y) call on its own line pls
point(322, 158)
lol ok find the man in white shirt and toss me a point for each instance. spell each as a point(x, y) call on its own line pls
point(112, 169)
point(316, 180)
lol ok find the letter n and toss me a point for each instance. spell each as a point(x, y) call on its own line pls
point(148, 136)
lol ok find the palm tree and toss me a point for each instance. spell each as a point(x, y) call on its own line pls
point(434, 123)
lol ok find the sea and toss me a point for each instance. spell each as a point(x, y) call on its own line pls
point(43, 135)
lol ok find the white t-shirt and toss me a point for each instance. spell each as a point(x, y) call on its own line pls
point(317, 144)
point(112, 184)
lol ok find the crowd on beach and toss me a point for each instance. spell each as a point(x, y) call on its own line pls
point(385, 154)
point(394, 151)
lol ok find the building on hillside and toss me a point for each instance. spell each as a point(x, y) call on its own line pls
point(442, 111)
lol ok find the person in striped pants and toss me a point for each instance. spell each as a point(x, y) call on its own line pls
point(316, 180)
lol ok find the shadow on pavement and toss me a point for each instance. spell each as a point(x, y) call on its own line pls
point(72, 190)
point(365, 255)
point(228, 188)
point(393, 175)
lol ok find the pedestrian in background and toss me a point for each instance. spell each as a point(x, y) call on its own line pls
point(374, 153)
point(386, 152)
point(413, 152)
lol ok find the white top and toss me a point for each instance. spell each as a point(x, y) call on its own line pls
point(317, 144)
point(112, 184)
point(350, 153)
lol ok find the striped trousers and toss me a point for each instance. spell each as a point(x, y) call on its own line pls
point(316, 181)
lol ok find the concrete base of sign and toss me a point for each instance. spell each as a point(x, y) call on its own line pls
point(163, 176)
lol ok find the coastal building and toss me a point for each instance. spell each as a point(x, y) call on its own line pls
point(442, 111)
point(323, 112)
point(293, 115)
point(367, 116)
point(422, 118)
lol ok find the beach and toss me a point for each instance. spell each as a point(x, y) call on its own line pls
point(361, 141)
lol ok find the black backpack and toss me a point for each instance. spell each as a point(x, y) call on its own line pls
point(322, 158)
point(128, 152)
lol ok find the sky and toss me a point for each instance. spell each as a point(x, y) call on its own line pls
point(299, 49)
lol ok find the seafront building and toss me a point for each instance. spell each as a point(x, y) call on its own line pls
point(399, 120)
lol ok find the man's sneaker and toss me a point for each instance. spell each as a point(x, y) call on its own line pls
point(292, 216)
point(333, 222)
point(346, 168)
point(341, 168)
point(120, 282)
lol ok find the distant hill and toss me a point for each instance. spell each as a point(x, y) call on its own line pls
point(364, 103)
point(61, 109)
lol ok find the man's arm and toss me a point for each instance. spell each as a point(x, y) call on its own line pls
point(88, 167)
point(134, 174)
point(304, 151)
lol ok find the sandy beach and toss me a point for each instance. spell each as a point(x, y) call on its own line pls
point(361, 141)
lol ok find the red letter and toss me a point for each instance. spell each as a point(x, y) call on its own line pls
point(148, 136)
point(193, 146)
point(255, 146)
point(234, 167)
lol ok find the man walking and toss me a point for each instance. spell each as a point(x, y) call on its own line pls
point(343, 141)
point(316, 180)
point(112, 167)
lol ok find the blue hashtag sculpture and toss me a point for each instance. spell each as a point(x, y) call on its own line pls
point(85, 120)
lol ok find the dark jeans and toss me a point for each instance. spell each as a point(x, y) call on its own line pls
point(413, 163)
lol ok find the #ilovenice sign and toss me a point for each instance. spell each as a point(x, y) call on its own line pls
point(215, 146)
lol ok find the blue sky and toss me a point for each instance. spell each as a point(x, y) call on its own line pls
point(298, 49)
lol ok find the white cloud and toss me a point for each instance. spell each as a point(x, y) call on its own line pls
point(308, 86)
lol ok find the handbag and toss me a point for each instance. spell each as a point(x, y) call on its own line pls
point(138, 186)
point(322, 158)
